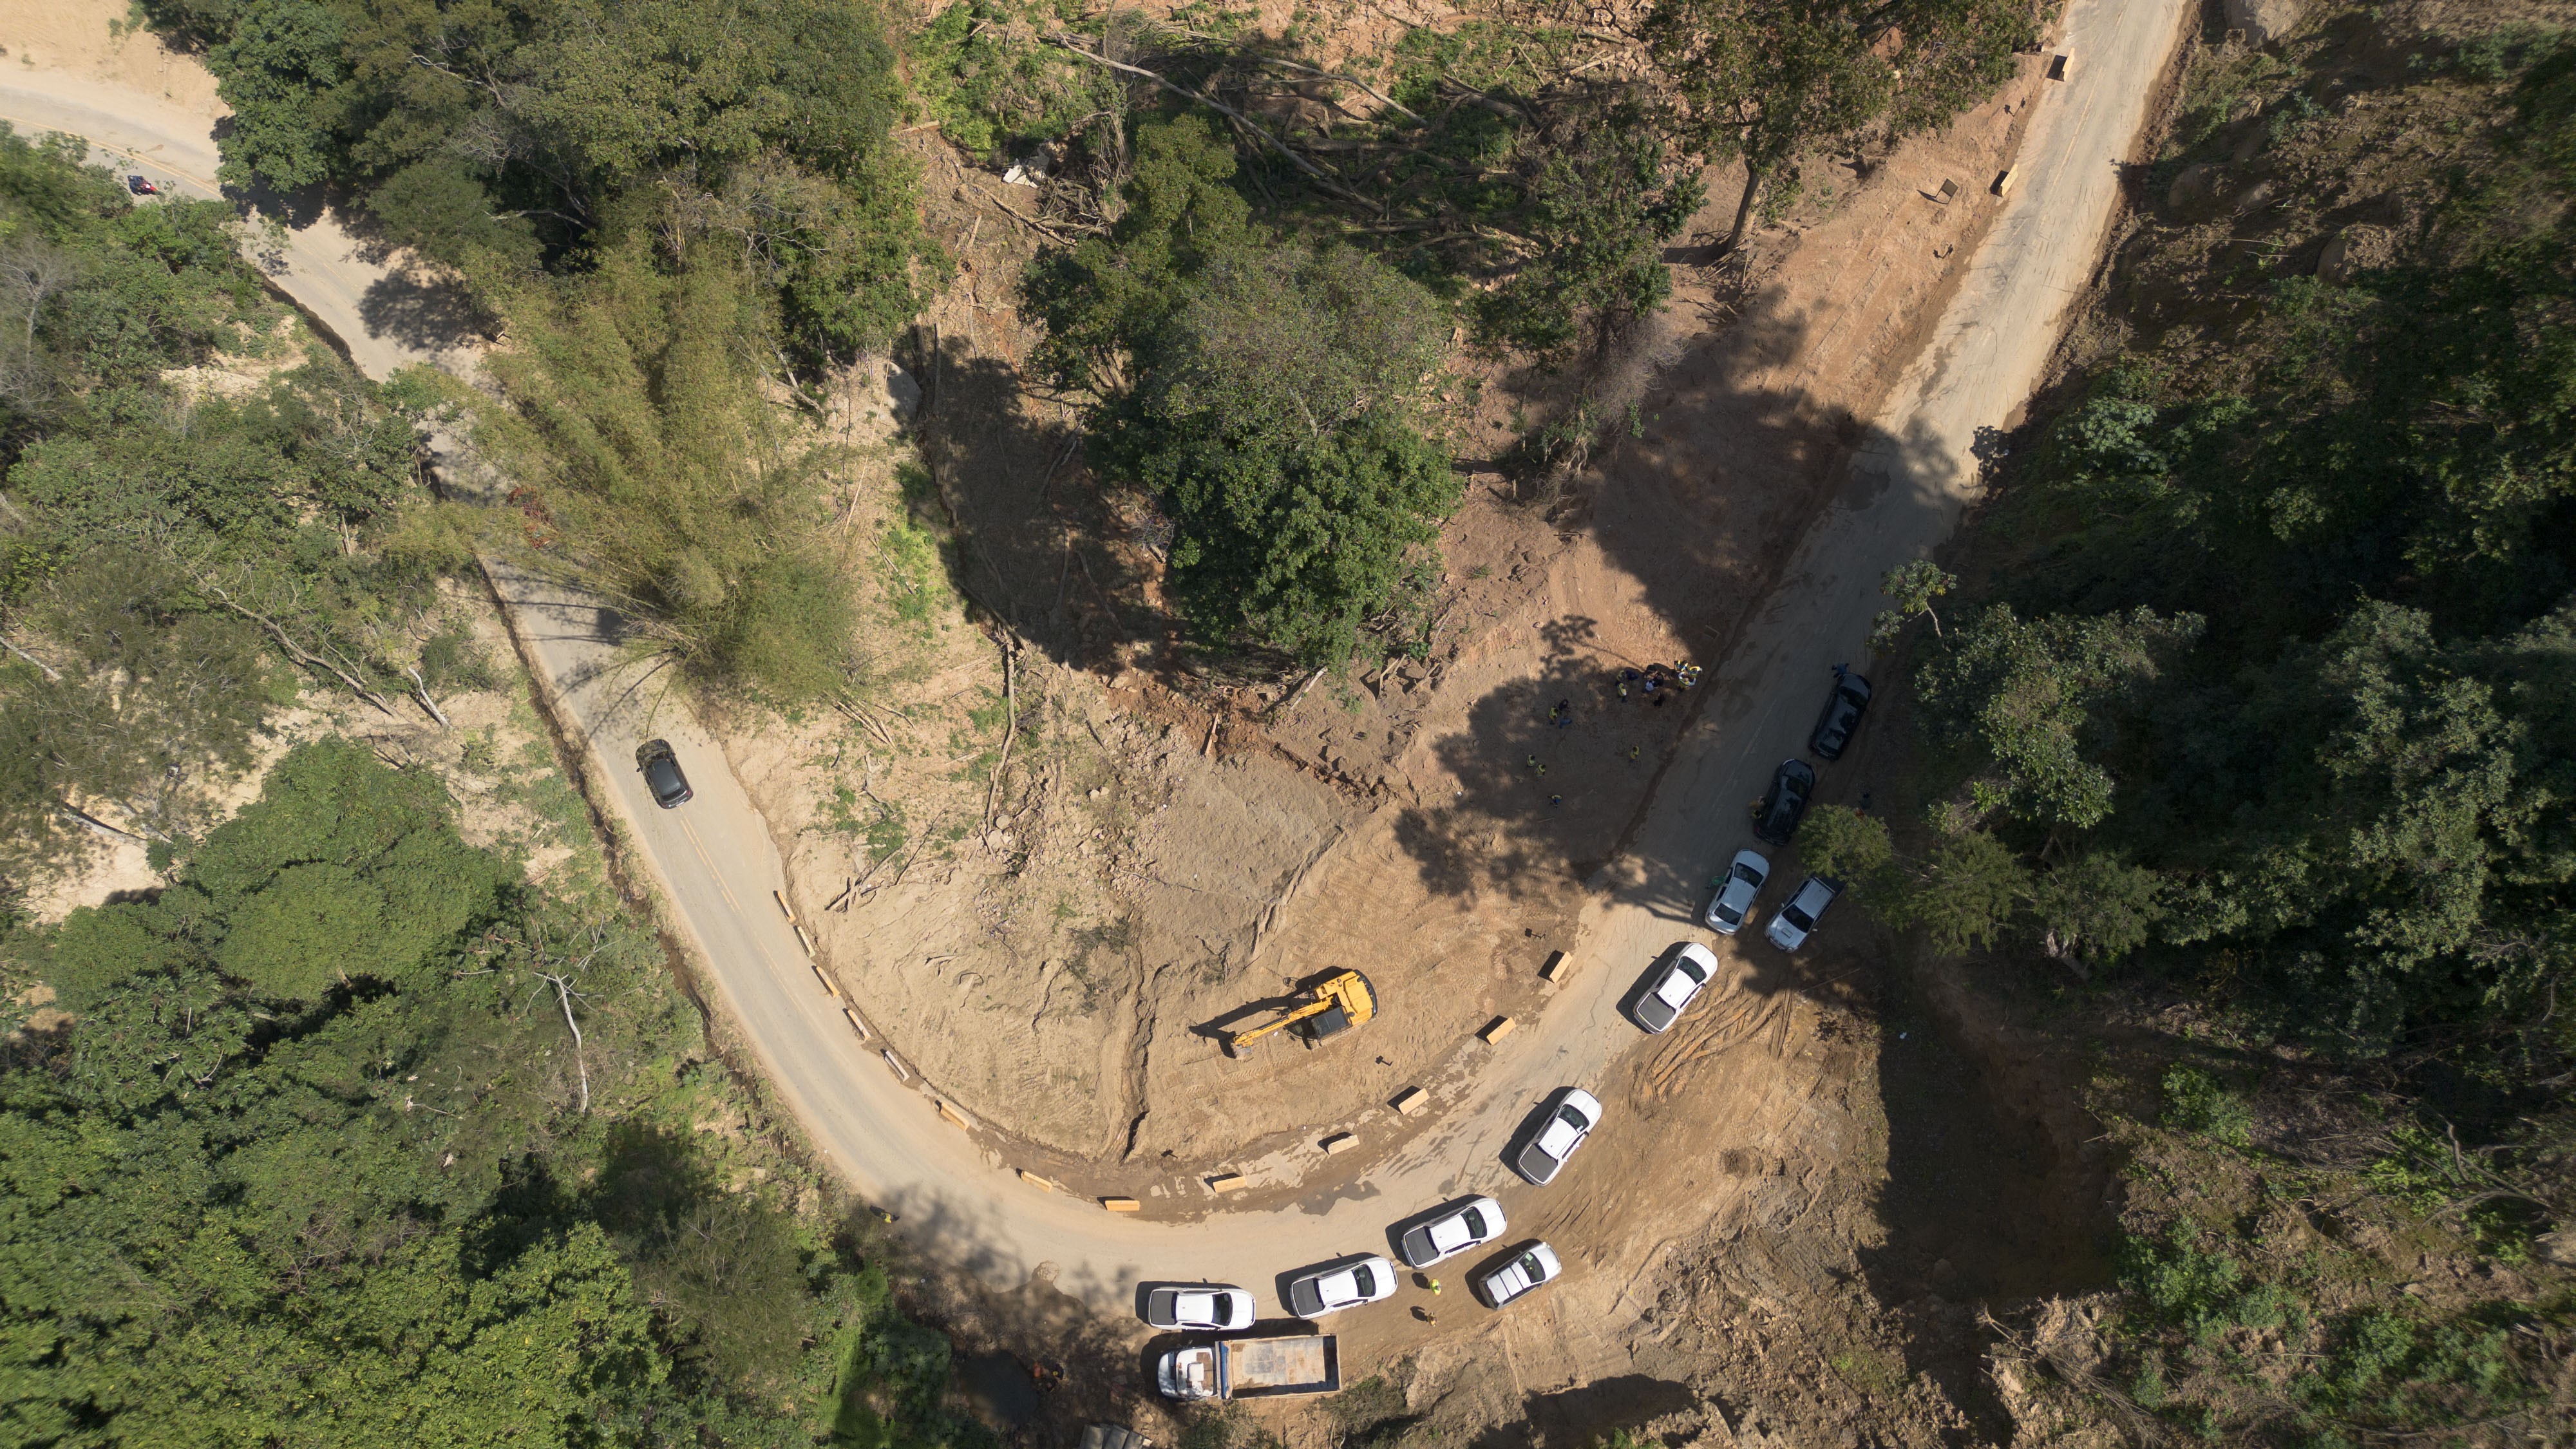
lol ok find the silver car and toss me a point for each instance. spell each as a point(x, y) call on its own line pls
point(1199, 1307)
point(1517, 1274)
point(1336, 1286)
point(1734, 899)
point(1668, 991)
point(1469, 1224)
point(1796, 921)
point(1570, 1117)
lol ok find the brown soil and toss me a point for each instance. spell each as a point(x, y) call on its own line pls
point(102, 40)
point(1174, 846)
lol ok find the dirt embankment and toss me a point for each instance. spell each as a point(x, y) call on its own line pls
point(1171, 847)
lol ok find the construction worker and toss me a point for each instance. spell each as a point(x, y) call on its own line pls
point(1533, 764)
point(1565, 714)
point(1553, 801)
point(1632, 754)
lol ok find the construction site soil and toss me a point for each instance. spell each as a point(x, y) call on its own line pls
point(1053, 853)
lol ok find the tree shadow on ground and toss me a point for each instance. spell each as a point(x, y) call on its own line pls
point(423, 310)
point(1033, 539)
point(1549, 771)
point(1981, 1203)
point(297, 208)
point(1573, 1418)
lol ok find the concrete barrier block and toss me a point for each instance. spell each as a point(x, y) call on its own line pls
point(1341, 1142)
point(1497, 1029)
point(1122, 1204)
point(1410, 1101)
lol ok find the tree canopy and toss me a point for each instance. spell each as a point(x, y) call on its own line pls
point(310, 1165)
point(512, 133)
point(2277, 672)
point(1264, 391)
point(1769, 82)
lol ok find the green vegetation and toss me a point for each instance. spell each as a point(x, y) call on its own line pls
point(2326, 710)
point(1771, 82)
point(523, 131)
point(676, 213)
point(1272, 407)
point(1231, 308)
point(356, 1140)
point(176, 559)
point(2253, 705)
point(680, 490)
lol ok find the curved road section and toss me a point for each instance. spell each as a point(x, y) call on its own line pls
point(716, 868)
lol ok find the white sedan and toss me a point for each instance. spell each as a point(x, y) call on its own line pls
point(1518, 1274)
point(1570, 1117)
point(1796, 921)
point(1470, 1224)
point(1336, 1286)
point(1668, 992)
point(1734, 899)
point(1199, 1307)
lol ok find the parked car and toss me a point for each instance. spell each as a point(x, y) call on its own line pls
point(1793, 923)
point(1336, 1286)
point(1667, 990)
point(1516, 1275)
point(1451, 1231)
point(1776, 819)
point(1843, 709)
point(1568, 1118)
point(662, 774)
point(1734, 899)
point(1199, 1307)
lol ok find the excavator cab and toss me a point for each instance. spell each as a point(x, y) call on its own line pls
point(1340, 1002)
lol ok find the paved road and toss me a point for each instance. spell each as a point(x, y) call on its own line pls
point(716, 867)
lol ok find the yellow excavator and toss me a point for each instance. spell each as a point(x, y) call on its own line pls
point(1333, 1006)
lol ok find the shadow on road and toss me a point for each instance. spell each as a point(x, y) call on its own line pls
point(424, 311)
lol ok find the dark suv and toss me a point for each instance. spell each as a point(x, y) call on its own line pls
point(662, 773)
point(1843, 709)
point(1776, 818)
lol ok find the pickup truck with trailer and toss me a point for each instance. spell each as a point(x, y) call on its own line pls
point(1250, 1368)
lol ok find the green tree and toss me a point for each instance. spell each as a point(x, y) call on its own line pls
point(634, 404)
point(1971, 886)
point(1600, 207)
point(1913, 586)
point(2097, 907)
point(1265, 392)
point(2021, 698)
point(1766, 82)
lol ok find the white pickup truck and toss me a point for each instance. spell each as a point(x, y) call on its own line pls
point(1248, 1368)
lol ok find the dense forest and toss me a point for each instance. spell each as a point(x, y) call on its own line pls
point(353, 1136)
point(2252, 692)
point(2246, 696)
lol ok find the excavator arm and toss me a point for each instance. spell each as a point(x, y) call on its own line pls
point(1345, 1001)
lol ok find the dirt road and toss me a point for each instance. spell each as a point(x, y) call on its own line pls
point(716, 867)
